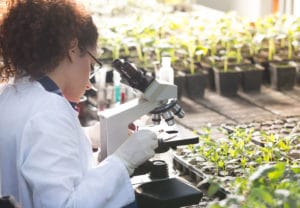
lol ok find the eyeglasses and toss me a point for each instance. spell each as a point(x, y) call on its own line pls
point(95, 67)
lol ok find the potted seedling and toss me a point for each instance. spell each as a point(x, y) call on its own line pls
point(264, 39)
point(287, 29)
point(202, 54)
point(195, 78)
point(227, 79)
point(208, 62)
point(251, 74)
point(282, 73)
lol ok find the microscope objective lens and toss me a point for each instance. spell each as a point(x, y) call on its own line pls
point(168, 116)
point(178, 111)
point(156, 119)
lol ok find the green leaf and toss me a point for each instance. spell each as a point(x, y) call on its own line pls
point(296, 169)
point(261, 172)
point(213, 188)
point(277, 173)
point(263, 195)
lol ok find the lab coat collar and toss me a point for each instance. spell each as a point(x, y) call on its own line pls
point(51, 86)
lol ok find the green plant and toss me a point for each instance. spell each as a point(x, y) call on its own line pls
point(270, 186)
point(292, 29)
point(190, 45)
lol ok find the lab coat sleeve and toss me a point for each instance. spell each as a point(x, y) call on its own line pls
point(52, 165)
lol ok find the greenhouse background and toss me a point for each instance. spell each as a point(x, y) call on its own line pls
point(248, 154)
point(236, 65)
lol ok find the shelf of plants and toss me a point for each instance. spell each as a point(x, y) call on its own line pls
point(225, 47)
point(253, 164)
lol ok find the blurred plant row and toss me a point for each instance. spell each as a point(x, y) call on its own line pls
point(189, 38)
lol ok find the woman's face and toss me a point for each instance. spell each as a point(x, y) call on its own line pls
point(78, 75)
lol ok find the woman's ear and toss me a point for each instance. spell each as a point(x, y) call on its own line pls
point(73, 50)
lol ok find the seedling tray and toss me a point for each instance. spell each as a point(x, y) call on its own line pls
point(200, 179)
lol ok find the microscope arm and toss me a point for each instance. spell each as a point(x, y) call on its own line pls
point(158, 98)
point(115, 121)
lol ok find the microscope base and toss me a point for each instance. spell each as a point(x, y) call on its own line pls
point(168, 193)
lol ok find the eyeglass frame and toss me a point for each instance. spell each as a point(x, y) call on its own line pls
point(92, 67)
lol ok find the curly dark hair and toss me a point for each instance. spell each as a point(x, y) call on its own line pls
point(35, 35)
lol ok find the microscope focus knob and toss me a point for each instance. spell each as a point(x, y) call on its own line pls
point(159, 170)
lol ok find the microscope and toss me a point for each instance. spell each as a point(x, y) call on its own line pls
point(159, 99)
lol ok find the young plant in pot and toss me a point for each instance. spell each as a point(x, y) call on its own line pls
point(208, 62)
point(264, 39)
point(264, 53)
point(201, 57)
point(290, 34)
point(293, 42)
point(227, 78)
point(195, 78)
point(251, 74)
point(282, 71)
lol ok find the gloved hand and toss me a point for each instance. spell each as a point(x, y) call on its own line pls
point(138, 148)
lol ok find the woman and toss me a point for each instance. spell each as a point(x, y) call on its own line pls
point(45, 157)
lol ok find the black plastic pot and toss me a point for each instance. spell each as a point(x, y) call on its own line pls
point(283, 76)
point(298, 72)
point(251, 77)
point(265, 64)
point(196, 84)
point(227, 83)
point(180, 81)
point(210, 75)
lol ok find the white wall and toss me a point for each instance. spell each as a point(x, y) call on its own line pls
point(222, 5)
point(290, 7)
point(297, 8)
point(252, 9)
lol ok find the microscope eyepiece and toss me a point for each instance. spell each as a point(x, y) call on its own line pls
point(131, 75)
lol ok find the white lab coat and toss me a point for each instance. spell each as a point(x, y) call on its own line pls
point(46, 159)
